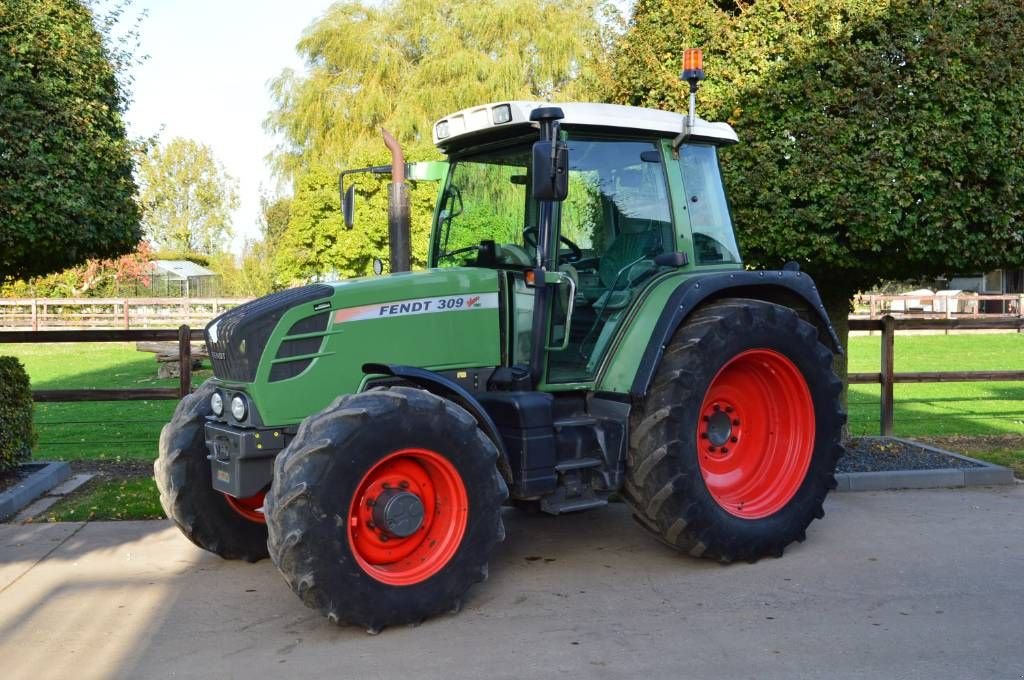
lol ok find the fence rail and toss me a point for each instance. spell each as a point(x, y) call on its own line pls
point(887, 376)
point(183, 336)
point(107, 313)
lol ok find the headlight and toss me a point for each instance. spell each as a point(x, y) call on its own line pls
point(217, 404)
point(238, 407)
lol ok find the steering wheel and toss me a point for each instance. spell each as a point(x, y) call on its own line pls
point(576, 254)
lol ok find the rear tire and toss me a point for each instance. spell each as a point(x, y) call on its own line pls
point(330, 479)
point(183, 477)
point(735, 446)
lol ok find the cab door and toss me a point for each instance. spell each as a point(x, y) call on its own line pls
point(614, 222)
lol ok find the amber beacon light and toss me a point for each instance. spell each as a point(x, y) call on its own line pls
point(693, 66)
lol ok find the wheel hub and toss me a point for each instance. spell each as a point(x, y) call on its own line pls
point(398, 512)
point(720, 428)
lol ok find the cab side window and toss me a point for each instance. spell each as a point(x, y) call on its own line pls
point(713, 238)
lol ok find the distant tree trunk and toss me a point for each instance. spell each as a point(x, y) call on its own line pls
point(837, 304)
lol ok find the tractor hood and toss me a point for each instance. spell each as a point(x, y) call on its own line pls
point(293, 352)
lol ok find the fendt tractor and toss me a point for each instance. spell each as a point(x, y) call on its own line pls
point(584, 328)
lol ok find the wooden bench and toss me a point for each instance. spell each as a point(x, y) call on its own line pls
point(168, 361)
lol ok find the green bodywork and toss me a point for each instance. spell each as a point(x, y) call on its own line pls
point(459, 317)
point(363, 329)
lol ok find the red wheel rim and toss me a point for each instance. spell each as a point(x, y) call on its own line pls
point(250, 508)
point(755, 436)
point(407, 560)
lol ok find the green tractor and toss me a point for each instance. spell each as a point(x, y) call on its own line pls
point(585, 328)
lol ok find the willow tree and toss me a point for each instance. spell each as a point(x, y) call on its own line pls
point(879, 140)
point(405, 63)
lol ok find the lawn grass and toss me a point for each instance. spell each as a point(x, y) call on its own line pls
point(116, 499)
point(96, 430)
point(942, 409)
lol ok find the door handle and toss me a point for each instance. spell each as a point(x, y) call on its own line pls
point(562, 277)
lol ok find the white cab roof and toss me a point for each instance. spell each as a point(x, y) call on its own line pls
point(482, 118)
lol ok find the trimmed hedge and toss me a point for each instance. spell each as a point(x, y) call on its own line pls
point(17, 434)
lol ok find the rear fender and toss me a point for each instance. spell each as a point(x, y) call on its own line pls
point(789, 288)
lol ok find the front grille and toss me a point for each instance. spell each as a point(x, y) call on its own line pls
point(242, 332)
point(296, 348)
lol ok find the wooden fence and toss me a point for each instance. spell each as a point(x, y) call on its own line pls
point(973, 305)
point(887, 376)
point(109, 313)
point(183, 336)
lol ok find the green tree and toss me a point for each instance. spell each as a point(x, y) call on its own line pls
point(186, 197)
point(879, 140)
point(66, 186)
point(401, 65)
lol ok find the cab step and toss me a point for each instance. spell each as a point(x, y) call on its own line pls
point(578, 464)
point(556, 506)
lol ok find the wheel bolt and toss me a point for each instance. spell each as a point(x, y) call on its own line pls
point(370, 502)
point(728, 409)
point(716, 407)
point(706, 418)
point(736, 422)
point(371, 525)
point(733, 439)
point(384, 537)
point(724, 450)
point(386, 485)
point(711, 449)
point(403, 484)
point(703, 435)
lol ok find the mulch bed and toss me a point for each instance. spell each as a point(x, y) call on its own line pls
point(881, 454)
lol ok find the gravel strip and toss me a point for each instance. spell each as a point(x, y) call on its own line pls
point(876, 454)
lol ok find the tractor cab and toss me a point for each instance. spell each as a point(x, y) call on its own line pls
point(636, 207)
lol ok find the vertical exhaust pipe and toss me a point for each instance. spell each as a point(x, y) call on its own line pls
point(398, 208)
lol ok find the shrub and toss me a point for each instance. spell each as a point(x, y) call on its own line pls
point(17, 435)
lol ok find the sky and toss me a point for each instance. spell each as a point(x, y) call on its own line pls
point(206, 76)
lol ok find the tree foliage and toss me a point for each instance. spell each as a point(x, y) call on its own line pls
point(66, 186)
point(879, 140)
point(186, 197)
point(316, 243)
point(401, 65)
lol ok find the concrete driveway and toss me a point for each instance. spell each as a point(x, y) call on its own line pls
point(913, 584)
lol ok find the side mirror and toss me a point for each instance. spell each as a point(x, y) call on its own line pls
point(348, 206)
point(550, 171)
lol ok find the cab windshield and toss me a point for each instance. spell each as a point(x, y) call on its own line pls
point(487, 201)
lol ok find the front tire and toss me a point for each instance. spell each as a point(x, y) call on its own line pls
point(231, 528)
point(330, 531)
point(735, 446)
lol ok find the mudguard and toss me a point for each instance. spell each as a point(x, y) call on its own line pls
point(772, 286)
point(447, 388)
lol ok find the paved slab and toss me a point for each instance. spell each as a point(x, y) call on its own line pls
point(912, 584)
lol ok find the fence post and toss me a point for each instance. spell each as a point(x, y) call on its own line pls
point(126, 319)
point(185, 359)
point(888, 355)
point(35, 315)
